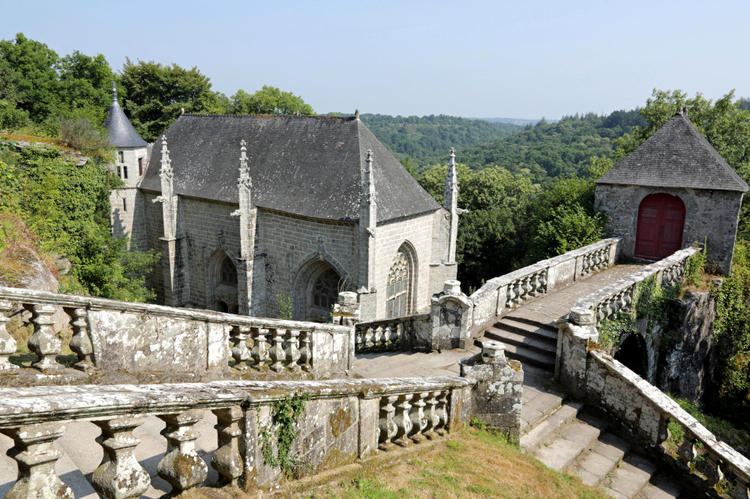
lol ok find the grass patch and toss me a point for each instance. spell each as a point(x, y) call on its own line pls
point(472, 463)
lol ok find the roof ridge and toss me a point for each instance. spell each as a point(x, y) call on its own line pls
point(274, 116)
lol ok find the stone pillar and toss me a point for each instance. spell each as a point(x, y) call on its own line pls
point(497, 396)
point(367, 233)
point(576, 335)
point(450, 203)
point(450, 313)
point(119, 475)
point(248, 221)
point(168, 202)
point(346, 309)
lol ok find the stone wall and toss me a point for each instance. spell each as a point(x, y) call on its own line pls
point(710, 216)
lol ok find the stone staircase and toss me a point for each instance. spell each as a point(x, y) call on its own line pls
point(569, 438)
point(532, 342)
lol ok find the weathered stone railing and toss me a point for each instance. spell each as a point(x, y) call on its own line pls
point(619, 296)
point(590, 374)
point(115, 336)
point(342, 420)
point(511, 290)
point(391, 335)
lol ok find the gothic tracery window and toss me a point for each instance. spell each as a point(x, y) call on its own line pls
point(325, 290)
point(399, 291)
point(228, 272)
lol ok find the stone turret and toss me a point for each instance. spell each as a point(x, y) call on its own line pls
point(450, 203)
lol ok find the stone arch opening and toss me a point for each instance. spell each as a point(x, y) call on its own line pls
point(223, 283)
point(661, 220)
point(401, 283)
point(316, 289)
point(633, 354)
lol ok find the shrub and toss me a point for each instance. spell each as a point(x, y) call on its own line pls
point(12, 118)
point(81, 134)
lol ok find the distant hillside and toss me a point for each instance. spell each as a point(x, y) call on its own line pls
point(548, 150)
point(512, 121)
point(427, 139)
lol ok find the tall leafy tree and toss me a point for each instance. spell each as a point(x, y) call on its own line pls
point(269, 100)
point(156, 94)
point(28, 76)
point(85, 85)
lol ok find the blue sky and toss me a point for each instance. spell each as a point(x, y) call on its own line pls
point(471, 58)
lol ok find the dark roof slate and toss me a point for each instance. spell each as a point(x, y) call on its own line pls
point(677, 155)
point(304, 165)
point(121, 132)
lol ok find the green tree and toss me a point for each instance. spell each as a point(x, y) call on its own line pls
point(85, 86)
point(269, 100)
point(155, 95)
point(28, 76)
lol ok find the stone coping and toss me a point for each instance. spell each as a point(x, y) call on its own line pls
point(497, 282)
point(20, 406)
point(77, 301)
point(594, 299)
point(668, 407)
point(424, 316)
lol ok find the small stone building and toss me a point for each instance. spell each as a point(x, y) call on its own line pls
point(256, 214)
point(671, 192)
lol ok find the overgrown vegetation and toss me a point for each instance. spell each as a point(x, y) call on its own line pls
point(277, 438)
point(66, 208)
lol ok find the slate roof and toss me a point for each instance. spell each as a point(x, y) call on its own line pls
point(304, 165)
point(677, 155)
point(121, 132)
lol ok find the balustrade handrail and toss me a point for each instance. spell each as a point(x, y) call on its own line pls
point(723, 452)
point(29, 296)
point(380, 322)
point(620, 293)
point(41, 404)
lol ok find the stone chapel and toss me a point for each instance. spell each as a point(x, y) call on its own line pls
point(266, 215)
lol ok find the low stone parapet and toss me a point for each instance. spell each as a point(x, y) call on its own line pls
point(392, 335)
point(335, 422)
point(507, 292)
point(121, 337)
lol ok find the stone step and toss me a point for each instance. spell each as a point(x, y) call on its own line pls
point(629, 477)
point(659, 487)
point(594, 464)
point(562, 448)
point(499, 333)
point(525, 326)
point(546, 425)
point(547, 326)
point(532, 362)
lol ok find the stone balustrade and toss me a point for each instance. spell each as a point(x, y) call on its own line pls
point(619, 296)
point(342, 420)
point(112, 336)
point(391, 335)
point(509, 291)
point(647, 411)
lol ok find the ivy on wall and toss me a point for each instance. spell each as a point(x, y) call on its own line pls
point(277, 438)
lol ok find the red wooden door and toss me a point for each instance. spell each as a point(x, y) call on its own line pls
point(661, 218)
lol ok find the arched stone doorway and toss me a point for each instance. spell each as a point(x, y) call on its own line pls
point(400, 288)
point(661, 219)
point(315, 292)
point(224, 283)
point(632, 353)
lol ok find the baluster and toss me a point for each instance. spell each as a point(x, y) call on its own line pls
point(35, 454)
point(543, 281)
point(713, 470)
point(227, 460)
point(509, 296)
point(686, 450)
point(403, 420)
point(387, 428)
point(292, 351)
point(260, 347)
point(359, 338)
point(119, 475)
point(378, 338)
point(442, 411)
point(418, 419)
point(43, 341)
point(388, 334)
point(80, 343)
point(240, 353)
point(181, 466)
point(305, 354)
point(278, 355)
point(369, 337)
point(518, 292)
point(433, 420)
point(7, 343)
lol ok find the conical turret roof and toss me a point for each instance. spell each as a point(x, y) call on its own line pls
point(121, 132)
point(679, 156)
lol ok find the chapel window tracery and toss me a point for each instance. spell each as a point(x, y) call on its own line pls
point(399, 289)
point(325, 290)
point(228, 272)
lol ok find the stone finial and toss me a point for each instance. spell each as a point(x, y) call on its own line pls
point(245, 180)
point(368, 180)
point(450, 203)
point(493, 352)
point(166, 163)
point(356, 114)
point(582, 316)
point(452, 287)
point(114, 92)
